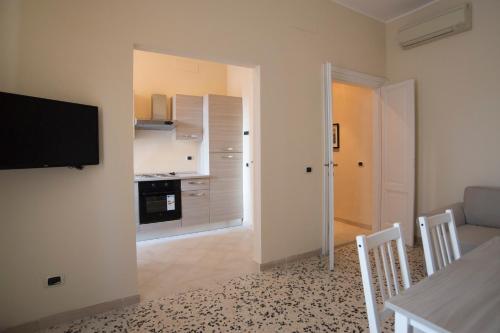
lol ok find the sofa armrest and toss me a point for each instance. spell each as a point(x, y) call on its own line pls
point(458, 212)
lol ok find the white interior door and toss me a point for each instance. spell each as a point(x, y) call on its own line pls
point(328, 207)
point(398, 156)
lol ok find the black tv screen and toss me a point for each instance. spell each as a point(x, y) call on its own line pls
point(40, 133)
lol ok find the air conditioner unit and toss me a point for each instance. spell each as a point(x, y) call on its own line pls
point(449, 23)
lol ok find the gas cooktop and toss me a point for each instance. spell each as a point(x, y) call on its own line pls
point(168, 176)
point(156, 175)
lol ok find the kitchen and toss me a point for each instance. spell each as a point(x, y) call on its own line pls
point(193, 170)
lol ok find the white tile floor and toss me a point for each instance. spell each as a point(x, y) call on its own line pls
point(175, 264)
point(346, 233)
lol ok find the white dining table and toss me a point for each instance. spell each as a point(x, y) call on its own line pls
point(462, 297)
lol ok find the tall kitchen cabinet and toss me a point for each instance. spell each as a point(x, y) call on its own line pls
point(222, 153)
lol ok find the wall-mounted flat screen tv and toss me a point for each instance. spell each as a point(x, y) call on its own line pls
point(40, 133)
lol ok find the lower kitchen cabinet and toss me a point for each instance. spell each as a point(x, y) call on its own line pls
point(226, 187)
point(195, 184)
point(195, 208)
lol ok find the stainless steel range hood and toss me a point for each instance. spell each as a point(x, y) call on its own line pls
point(158, 125)
point(161, 120)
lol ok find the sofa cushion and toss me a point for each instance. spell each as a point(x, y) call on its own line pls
point(482, 206)
point(471, 236)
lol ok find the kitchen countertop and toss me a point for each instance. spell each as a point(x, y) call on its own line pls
point(178, 175)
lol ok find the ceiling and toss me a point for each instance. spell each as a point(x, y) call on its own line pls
point(384, 10)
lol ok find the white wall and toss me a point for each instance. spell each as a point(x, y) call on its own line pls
point(9, 35)
point(159, 151)
point(155, 73)
point(240, 83)
point(81, 222)
point(353, 110)
point(458, 102)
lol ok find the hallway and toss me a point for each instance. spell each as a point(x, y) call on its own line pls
point(345, 233)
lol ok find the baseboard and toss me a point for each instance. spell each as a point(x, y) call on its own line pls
point(288, 260)
point(158, 230)
point(356, 224)
point(344, 244)
point(71, 315)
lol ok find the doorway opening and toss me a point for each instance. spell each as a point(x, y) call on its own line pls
point(197, 171)
point(353, 122)
point(392, 160)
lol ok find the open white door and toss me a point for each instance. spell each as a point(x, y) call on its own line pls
point(398, 157)
point(328, 245)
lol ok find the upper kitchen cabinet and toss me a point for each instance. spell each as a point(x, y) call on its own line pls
point(188, 114)
point(225, 123)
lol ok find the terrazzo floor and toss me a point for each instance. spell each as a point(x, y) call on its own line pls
point(299, 297)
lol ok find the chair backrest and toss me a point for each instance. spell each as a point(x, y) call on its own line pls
point(440, 240)
point(381, 246)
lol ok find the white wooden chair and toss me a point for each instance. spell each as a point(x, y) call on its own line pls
point(440, 240)
point(387, 275)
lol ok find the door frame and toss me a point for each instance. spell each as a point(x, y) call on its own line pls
point(255, 128)
point(327, 244)
point(339, 74)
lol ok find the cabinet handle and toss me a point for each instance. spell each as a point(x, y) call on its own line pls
point(190, 136)
point(197, 194)
point(227, 156)
point(196, 183)
point(229, 149)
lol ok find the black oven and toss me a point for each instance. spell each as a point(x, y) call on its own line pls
point(159, 200)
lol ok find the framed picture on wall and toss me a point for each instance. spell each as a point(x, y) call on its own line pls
point(336, 136)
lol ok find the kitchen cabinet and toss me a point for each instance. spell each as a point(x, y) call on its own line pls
point(221, 156)
point(225, 123)
point(226, 187)
point(195, 195)
point(195, 208)
point(195, 184)
point(188, 115)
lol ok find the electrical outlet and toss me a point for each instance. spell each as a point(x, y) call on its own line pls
point(189, 158)
point(54, 280)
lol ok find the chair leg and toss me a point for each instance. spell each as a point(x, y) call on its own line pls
point(402, 324)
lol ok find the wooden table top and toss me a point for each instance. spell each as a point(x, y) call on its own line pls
point(463, 297)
